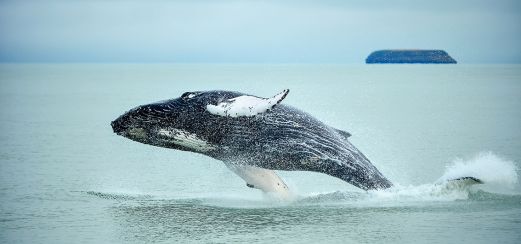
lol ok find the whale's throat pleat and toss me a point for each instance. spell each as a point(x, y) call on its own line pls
point(185, 139)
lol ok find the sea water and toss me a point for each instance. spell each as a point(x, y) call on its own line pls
point(65, 177)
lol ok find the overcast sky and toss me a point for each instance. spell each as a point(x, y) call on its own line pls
point(472, 31)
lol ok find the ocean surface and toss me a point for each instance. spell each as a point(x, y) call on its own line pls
point(65, 177)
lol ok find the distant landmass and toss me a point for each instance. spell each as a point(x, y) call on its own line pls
point(410, 57)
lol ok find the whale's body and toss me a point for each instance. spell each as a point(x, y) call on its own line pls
point(253, 141)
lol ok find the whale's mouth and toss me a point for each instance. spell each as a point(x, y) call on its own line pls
point(117, 127)
point(132, 132)
point(122, 128)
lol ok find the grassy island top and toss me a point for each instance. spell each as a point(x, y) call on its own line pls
point(410, 56)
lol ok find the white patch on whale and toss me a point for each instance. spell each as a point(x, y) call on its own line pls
point(246, 105)
point(137, 133)
point(264, 179)
point(187, 139)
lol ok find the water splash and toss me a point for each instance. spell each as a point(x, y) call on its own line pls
point(498, 175)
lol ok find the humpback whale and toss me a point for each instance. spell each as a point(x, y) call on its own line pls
point(253, 136)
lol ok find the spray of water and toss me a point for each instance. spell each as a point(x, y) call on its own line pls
point(499, 176)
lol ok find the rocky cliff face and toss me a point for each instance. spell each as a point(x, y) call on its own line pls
point(410, 56)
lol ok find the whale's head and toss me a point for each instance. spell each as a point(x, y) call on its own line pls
point(196, 121)
point(182, 123)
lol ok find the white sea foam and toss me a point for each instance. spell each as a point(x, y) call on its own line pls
point(498, 176)
point(486, 166)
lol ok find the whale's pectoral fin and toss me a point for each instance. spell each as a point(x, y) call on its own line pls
point(264, 179)
point(246, 105)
